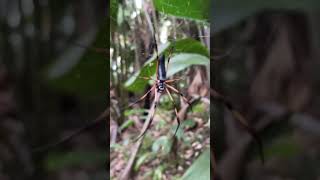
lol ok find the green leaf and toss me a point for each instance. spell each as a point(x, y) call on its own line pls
point(59, 161)
point(113, 14)
point(135, 111)
point(283, 146)
point(199, 108)
point(191, 9)
point(115, 146)
point(120, 17)
point(228, 12)
point(81, 71)
point(141, 160)
point(189, 123)
point(184, 60)
point(185, 124)
point(126, 124)
point(200, 169)
point(161, 124)
point(166, 103)
point(162, 142)
point(179, 133)
point(195, 48)
point(148, 69)
point(189, 45)
point(158, 173)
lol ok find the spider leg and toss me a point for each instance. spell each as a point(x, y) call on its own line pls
point(175, 110)
point(142, 97)
point(156, 48)
point(152, 112)
point(178, 92)
point(146, 78)
point(172, 80)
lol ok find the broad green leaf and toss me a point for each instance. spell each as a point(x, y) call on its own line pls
point(191, 9)
point(81, 71)
point(200, 169)
point(189, 45)
point(184, 60)
point(181, 46)
point(228, 12)
point(148, 69)
point(113, 14)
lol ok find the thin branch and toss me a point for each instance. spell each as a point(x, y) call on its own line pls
point(238, 116)
point(127, 170)
point(90, 125)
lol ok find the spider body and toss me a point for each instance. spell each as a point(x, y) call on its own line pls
point(162, 75)
point(161, 85)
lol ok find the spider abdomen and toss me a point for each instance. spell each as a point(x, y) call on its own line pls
point(162, 70)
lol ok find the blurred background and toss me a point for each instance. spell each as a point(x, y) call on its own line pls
point(52, 82)
point(267, 66)
point(180, 27)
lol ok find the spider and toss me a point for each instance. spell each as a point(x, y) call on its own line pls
point(161, 85)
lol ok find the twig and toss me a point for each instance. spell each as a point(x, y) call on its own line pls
point(92, 124)
point(238, 116)
point(127, 170)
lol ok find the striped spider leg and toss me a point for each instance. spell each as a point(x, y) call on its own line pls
point(167, 87)
point(151, 113)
